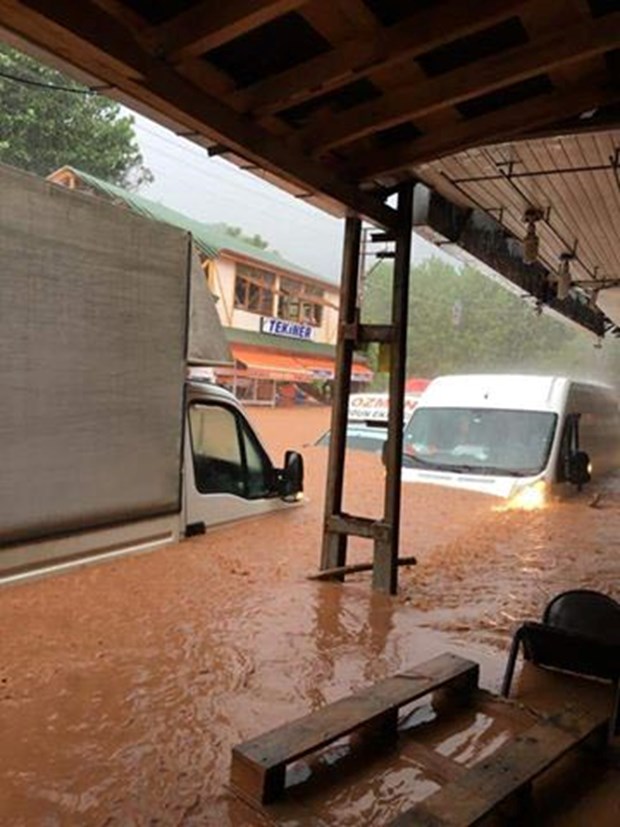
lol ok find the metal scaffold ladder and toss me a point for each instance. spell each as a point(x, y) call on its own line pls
point(352, 334)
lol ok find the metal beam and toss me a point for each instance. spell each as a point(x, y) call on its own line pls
point(483, 242)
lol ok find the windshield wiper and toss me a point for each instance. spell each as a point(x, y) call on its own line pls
point(503, 472)
point(484, 470)
point(409, 461)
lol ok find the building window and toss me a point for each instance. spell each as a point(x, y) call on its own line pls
point(299, 302)
point(254, 289)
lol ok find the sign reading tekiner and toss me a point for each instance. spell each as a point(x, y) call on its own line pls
point(279, 327)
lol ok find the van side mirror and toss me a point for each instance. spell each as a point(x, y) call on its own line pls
point(579, 468)
point(291, 477)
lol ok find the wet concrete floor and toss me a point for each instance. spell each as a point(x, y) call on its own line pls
point(124, 686)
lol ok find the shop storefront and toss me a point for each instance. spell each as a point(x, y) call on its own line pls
point(270, 374)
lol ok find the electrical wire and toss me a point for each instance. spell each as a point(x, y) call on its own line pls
point(196, 155)
point(206, 167)
point(49, 86)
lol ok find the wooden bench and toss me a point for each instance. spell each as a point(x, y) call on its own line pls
point(474, 794)
point(258, 769)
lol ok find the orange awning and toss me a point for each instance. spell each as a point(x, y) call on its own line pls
point(320, 367)
point(361, 373)
point(325, 368)
point(270, 364)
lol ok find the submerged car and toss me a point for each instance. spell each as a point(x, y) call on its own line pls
point(367, 421)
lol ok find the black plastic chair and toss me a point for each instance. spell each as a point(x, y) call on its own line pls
point(579, 633)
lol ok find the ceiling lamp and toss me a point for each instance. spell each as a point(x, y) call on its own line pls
point(531, 241)
point(593, 299)
point(564, 279)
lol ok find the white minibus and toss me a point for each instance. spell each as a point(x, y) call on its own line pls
point(518, 437)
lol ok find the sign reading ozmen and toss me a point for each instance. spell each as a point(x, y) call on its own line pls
point(279, 327)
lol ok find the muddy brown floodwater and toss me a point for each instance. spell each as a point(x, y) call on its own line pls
point(124, 685)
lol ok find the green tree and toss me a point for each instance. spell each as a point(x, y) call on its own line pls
point(462, 321)
point(45, 128)
point(255, 240)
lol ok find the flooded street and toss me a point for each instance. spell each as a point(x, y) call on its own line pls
point(124, 685)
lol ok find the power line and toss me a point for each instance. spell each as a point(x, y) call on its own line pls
point(210, 173)
point(198, 153)
point(52, 87)
point(231, 196)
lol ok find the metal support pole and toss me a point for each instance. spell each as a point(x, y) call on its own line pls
point(385, 568)
point(334, 550)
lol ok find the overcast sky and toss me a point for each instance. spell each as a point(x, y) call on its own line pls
point(213, 190)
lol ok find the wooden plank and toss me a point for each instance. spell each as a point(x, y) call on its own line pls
point(355, 568)
point(472, 796)
point(259, 765)
point(510, 122)
point(358, 526)
point(565, 45)
point(123, 13)
point(207, 25)
point(433, 762)
point(425, 30)
point(385, 551)
point(207, 77)
point(334, 545)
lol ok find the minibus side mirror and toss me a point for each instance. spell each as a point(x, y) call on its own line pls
point(291, 477)
point(579, 468)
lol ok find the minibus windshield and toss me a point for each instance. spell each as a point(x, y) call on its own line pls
point(482, 441)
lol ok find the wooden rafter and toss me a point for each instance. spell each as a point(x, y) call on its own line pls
point(516, 120)
point(427, 30)
point(160, 71)
point(124, 14)
point(573, 43)
point(207, 77)
point(90, 37)
point(208, 25)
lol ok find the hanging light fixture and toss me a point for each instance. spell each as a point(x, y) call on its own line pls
point(531, 240)
point(593, 299)
point(564, 279)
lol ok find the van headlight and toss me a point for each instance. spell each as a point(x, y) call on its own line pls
point(530, 497)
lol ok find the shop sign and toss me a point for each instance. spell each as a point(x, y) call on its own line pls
point(280, 327)
point(374, 407)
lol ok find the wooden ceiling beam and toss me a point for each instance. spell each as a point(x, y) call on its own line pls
point(124, 14)
point(571, 44)
point(92, 40)
point(358, 14)
point(208, 25)
point(514, 121)
point(359, 57)
point(207, 77)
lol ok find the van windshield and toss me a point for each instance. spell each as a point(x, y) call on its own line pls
point(482, 441)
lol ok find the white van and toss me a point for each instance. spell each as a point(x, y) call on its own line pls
point(517, 437)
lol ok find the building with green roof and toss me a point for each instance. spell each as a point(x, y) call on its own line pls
point(281, 320)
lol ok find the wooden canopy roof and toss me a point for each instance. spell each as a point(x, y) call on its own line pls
point(338, 101)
